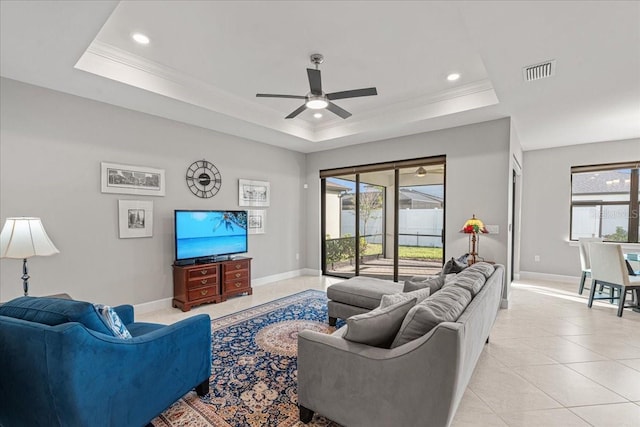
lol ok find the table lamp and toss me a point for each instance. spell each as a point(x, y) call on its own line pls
point(22, 238)
point(473, 227)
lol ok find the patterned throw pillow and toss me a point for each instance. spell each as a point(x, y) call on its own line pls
point(112, 320)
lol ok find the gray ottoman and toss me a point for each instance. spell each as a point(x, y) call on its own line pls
point(357, 295)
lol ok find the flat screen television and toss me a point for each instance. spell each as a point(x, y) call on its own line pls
point(207, 235)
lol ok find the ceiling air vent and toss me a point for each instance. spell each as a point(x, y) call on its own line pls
point(539, 71)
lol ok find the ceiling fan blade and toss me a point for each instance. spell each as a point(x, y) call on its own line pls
point(296, 112)
point(338, 111)
point(269, 95)
point(370, 91)
point(315, 84)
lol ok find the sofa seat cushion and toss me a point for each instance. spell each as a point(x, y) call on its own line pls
point(138, 329)
point(55, 311)
point(378, 327)
point(364, 292)
point(445, 305)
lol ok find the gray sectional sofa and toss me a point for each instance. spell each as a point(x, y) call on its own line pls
point(418, 380)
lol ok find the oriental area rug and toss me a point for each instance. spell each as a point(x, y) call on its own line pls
point(254, 367)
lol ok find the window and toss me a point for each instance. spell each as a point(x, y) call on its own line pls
point(604, 202)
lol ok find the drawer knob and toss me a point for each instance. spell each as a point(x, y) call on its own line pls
point(204, 292)
point(238, 285)
point(203, 272)
point(238, 274)
point(238, 266)
point(203, 281)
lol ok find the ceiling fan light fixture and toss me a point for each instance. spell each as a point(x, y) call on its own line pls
point(316, 103)
point(420, 172)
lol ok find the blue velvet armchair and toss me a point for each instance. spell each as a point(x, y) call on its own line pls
point(58, 367)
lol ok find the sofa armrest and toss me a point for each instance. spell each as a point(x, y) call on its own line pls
point(125, 313)
point(340, 379)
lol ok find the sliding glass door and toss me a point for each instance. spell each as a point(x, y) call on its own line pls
point(384, 220)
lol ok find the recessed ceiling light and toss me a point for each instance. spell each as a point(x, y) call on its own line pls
point(140, 38)
point(317, 115)
point(453, 77)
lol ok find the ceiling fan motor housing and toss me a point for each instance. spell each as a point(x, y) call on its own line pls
point(317, 59)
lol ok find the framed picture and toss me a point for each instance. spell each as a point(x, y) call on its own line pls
point(253, 193)
point(256, 221)
point(135, 218)
point(127, 179)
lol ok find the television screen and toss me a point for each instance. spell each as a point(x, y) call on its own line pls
point(206, 234)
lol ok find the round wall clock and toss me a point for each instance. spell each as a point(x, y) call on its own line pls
point(204, 179)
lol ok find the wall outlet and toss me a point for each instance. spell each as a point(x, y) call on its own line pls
point(536, 258)
point(297, 256)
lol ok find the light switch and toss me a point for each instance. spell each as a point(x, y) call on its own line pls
point(493, 229)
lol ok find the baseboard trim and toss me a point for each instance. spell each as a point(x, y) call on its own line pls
point(284, 276)
point(532, 275)
point(148, 307)
point(161, 304)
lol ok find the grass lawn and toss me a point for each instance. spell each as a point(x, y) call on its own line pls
point(412, 252)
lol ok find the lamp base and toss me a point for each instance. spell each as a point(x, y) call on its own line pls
point(25, 277)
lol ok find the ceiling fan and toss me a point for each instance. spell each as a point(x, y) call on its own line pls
point(316, 99)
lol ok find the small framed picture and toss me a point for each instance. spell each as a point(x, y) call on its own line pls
point(135, 218)
point(127, 179)
point(253, 193)
point(256, 221)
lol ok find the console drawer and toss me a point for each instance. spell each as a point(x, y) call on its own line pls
point(203, 292)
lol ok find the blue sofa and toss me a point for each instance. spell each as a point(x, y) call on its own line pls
point(60, 366)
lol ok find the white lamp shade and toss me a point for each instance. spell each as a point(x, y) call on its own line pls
point(24, 238)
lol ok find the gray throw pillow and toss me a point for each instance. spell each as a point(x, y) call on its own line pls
point(419, 295)
point(443, 306)
point(379, 326)
point(433, 282)
point(453, 266)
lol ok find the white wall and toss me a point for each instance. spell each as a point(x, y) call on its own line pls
point(547, 197)
point(478, 167)
point(51, 146)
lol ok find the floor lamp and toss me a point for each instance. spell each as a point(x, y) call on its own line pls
point(473, 226)
point(23, 238)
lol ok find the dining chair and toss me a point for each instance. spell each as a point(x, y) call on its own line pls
point(608, 268)
point(585, 261)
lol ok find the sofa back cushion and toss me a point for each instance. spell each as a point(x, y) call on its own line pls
point(445, 305)
point(379, 326)
point(55, 311)
point(483, 267)
point(471, 280)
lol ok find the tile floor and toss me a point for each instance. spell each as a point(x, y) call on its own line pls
point(551, 361)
